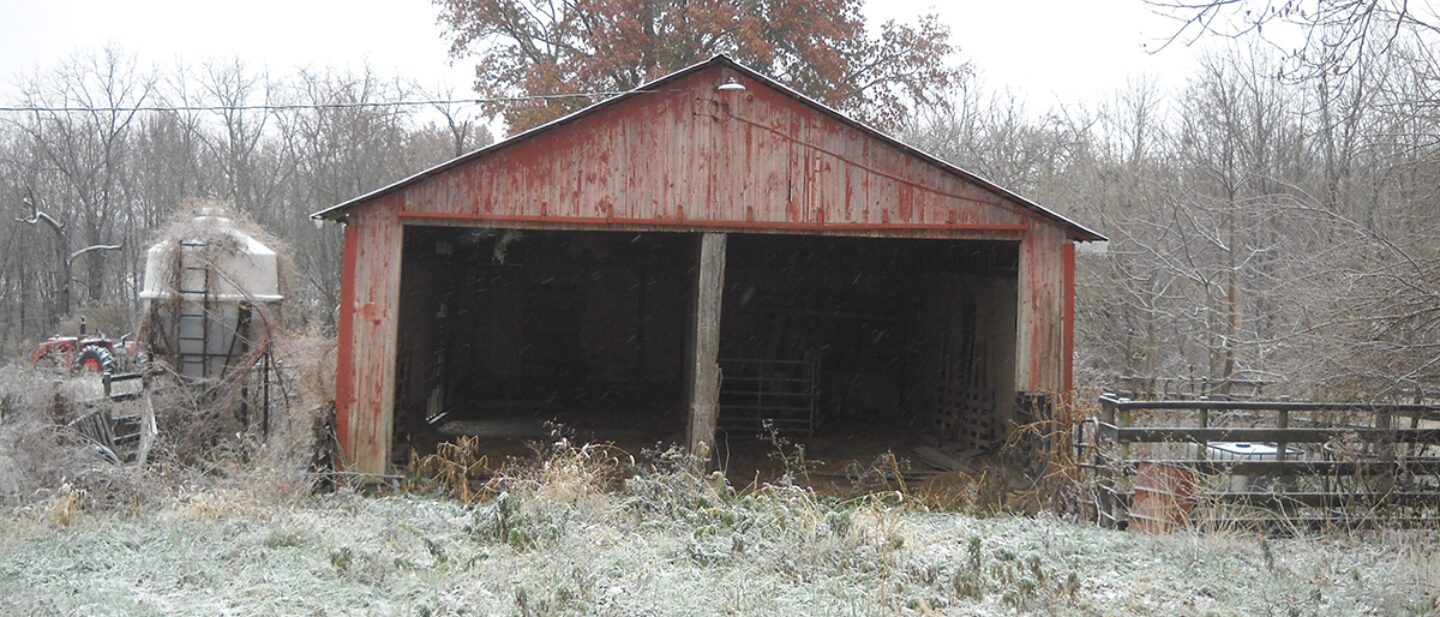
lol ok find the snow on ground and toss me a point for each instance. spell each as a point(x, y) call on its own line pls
point(653, 550)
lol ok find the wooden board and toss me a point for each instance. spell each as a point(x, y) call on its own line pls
point(704, 386)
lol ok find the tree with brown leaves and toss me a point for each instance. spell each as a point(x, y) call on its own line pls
point(544, 52)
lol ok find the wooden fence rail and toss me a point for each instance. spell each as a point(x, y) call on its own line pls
point(1158, 465)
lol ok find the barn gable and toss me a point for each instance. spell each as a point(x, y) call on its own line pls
point(981, 308)
point(764, 156)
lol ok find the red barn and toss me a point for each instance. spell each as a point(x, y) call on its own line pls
point(710, 249)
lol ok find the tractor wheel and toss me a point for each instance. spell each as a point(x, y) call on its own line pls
point(97, 360)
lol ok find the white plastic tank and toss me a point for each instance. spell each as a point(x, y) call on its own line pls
point(1247, 451)
point(211, 294)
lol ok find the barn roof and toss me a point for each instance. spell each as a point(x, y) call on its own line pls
point(1074, 229)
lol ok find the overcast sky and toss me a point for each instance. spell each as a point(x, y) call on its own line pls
point(1046, 51)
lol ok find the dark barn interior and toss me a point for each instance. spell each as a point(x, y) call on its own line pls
point(822, 337)
point(502, 330)
point(827, 336)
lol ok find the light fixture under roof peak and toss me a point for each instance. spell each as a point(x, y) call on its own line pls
point(731, 85)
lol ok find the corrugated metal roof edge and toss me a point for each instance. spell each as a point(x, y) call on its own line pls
point(1077, 231)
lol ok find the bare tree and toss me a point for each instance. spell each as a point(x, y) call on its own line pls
point(84, 114)
point(1336, 37)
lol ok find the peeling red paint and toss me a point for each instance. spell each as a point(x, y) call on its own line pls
point(344, 401)
point(1069, 346)
point(687, 158)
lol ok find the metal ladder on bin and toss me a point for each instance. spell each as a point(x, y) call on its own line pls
point(192, 318)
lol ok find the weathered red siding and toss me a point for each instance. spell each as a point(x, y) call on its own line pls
point(366, 392)
point(1068, 371)
point(344, 352)
point(694, 157)
point(687, 157)
point(1041, 352)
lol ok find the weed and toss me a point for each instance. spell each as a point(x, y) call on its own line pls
point(839, 522)
point(341, 559)
point(967, 584)
point(280, 539)
point(1042, 447)
point(64, 505)
point(454, 469)
point(436, 551)
point(501, 521)
point(1035, 570)
point(206, 504)
point(790, 455)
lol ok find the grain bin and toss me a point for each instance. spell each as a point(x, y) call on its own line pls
point(211, 295)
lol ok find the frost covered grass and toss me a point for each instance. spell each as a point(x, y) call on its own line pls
point(581, 534)
point(587, 530)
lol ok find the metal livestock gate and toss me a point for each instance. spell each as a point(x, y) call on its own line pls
point(1277, 465)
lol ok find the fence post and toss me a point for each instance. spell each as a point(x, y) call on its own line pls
point(1124, 468)
point(1124, 423)
point(1384, 419)
point(1106, 482)
point(1281, 449)
point(1204, 445)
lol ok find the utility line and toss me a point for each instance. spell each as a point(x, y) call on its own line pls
point(298, 106)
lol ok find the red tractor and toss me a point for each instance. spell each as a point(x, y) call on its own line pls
point(91, 353)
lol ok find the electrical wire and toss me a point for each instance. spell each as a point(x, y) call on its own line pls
point(302, 106)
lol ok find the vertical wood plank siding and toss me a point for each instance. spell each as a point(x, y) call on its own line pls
point(1067, 370)
point(373, 305)
point(344, 352)
point(1041, 351)
point(689, 154)
point(688, 158)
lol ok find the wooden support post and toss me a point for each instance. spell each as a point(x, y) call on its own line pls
point(1124, 445)
point(1204, 445)
point(703, 364)
point(1283, 421)
point(1110, 504)
point(1385, 420)
point(1125, 468)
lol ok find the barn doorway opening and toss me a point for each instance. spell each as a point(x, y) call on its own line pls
point(852, 345)
point(505, 334)
point(858, 346)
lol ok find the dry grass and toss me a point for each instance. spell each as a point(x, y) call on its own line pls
point(205, 461)
point(62, 506)
point(38, 456)
point(586, 530)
